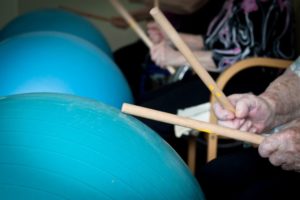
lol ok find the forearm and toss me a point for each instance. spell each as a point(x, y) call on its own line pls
point(283, 96)
point(204, 57)
point(206, 60)
point(195, 42)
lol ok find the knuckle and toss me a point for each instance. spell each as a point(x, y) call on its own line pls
point(274, 160)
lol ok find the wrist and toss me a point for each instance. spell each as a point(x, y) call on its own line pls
point(201, 42)
point(270, 100)
point(270, 103)
point(180, 60)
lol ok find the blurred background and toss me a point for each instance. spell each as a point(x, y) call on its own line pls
point(11, 8)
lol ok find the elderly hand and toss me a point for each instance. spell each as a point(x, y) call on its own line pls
point(163, 55)
point(156, 35)
point(252, 113)
point(283, 148)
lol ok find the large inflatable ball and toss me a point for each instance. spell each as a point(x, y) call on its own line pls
point(58, 62)
point(56, 146)
point(56, 20)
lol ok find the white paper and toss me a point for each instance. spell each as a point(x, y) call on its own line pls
point(199, 112)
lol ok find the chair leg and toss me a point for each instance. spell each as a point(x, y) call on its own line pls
point(212, 146)
point(192, 149)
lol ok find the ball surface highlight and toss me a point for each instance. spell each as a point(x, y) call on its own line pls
point(58, 62)
point(57, 20)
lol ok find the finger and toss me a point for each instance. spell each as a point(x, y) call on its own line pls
point(242, 108)
point(241, 103)
point(246, 105)
point(253, 130)
point(160, 54)
point(269, 145)
point(153, 32)
point(153, 37)
point(277, 158)
point(152, 25)
point(222, 113)
point(246, 126)
point(289, 162)
point(234, 100)
point(288, 167)
point(154, 54)
point(234, 124)
point(150, 33)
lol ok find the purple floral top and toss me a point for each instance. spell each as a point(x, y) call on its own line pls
point(247, 28)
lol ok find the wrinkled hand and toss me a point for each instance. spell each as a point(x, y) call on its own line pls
point(283, 148)
point(163, 55)
point(252, 113)
point(156, 35)
point(119, 22)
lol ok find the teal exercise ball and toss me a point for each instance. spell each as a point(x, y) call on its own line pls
point(58, 62)
point(59, 146)
point(56, 20)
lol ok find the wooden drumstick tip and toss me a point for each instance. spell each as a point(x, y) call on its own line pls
point(154, 10)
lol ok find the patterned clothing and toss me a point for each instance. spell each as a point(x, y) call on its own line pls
point(248, 28)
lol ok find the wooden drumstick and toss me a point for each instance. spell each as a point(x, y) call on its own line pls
point(135, 26)
point(191, 123)
point(190, 57)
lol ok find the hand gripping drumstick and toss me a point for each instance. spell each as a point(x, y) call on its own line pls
point(191, 58)
point(135, 26)
point(191, 123)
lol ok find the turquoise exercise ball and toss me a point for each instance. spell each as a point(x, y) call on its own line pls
point(58, 62)
point(59, 146)
point(56, 20)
